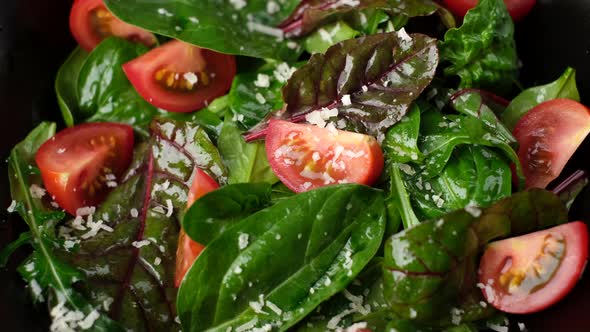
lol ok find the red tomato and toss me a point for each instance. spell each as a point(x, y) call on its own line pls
point(548, 135)
point(180, 77)
point(529, 273)
point(80, 164)
point(188, 250)
point(518, 9)
point(91, 22)
point(306, 157)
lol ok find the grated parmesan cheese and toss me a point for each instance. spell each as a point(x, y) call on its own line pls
point(191, 78)
point(36, 191)
point(12, 207)
point(139, 244)
point(346, 100)
point(134, 213)
point(262, 81)
point(243, 240)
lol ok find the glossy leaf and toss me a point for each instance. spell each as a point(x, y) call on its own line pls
point(339, 228)
point(401, 198)
point(401, 141)
point(240, 28)
point(482, 51)
point(50, 278)
point(563, 87)
point(133, 265)
point(570, 188)
point(383, 74)
point(214, 213)
point(7, 251)
point(320, 40)
point(66, 84)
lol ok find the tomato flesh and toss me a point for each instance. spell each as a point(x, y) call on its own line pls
point(518, 9)
point(548, 135)
point(188, 250)
point(305, 157)
point(180, 77)
point(529, 273)
point(91, 22)
point(80, 165)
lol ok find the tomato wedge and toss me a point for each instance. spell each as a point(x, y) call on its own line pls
point(180, 77)
point(306, 157)
point(91, 22)
point(529, 273)
point(188, 250)
point(548, 135)
point(518, 9)
point(80, 165)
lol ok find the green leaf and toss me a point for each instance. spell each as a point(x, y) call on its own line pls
point(401, 198)
point(246, 162)
point(9, 249)
point(324, 37)
point(482, 51)
point(401, 141)
point(66, 84)
point(382, 74)
point(339, 228)
point(427, 267)
point(217, 211)
point(231, 29)
point(563, 87)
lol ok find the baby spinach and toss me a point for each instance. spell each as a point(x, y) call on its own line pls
point(482, 51)
point(277, 265)
point(563, 87)
point(401, 141)
point(132, 266)
point(50, 278)
point(372, 81)
point(66, 84)
point(428, 266)
point(238, 27)
point(320, 40)
point(214, 213)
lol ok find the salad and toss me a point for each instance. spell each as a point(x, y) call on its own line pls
point(315, 165)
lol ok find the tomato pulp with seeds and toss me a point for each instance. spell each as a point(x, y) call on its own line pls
point(548, 135)
point(306, 157)
point(529, 273)
point(79, 165)
point(188, 250)
point(91, 22)
point(180, 77)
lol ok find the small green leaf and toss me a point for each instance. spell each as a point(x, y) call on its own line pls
point(401, 141)
point(326, 36)
point(6, 252)
point(66, 84)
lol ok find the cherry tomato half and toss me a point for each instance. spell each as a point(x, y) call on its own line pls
point(529, 273)
point(548, 135)
point(79, 165)
point(305, 157)
point(180, 77)
point(91, 22)
point(518, 9)
point(188, 250)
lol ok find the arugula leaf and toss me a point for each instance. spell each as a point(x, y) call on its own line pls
point(563, 87)
point(482, 51)
point(428, 266)
point(382, 74)
point(132, 266)
point(323, 38)
point(246, 162)
point(66, 85)
point(340, 227)
point(214, 213)
point(48, 276)
point(241, 28)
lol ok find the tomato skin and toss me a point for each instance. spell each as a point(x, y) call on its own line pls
point(83, 25)
point(518, 9)
point(181, 58)
point(188, 250)
point(522, 250)
point(548, 135)
point(76, 157)
point(290, 148)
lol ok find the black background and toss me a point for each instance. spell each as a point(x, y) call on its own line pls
point(35, 40)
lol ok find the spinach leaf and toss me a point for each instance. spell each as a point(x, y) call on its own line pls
point(272, 282)
point(214, 213)
point(563, 87)
point(66, 85)
point(238, 27)
point(320, 40)
point(401, 141)
point(130, 264)
point(401, 199)
point(310, 14)
point(482, 51)
point(428, 266)
point(381, 74)
point(246, 162)
point(48, 276)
